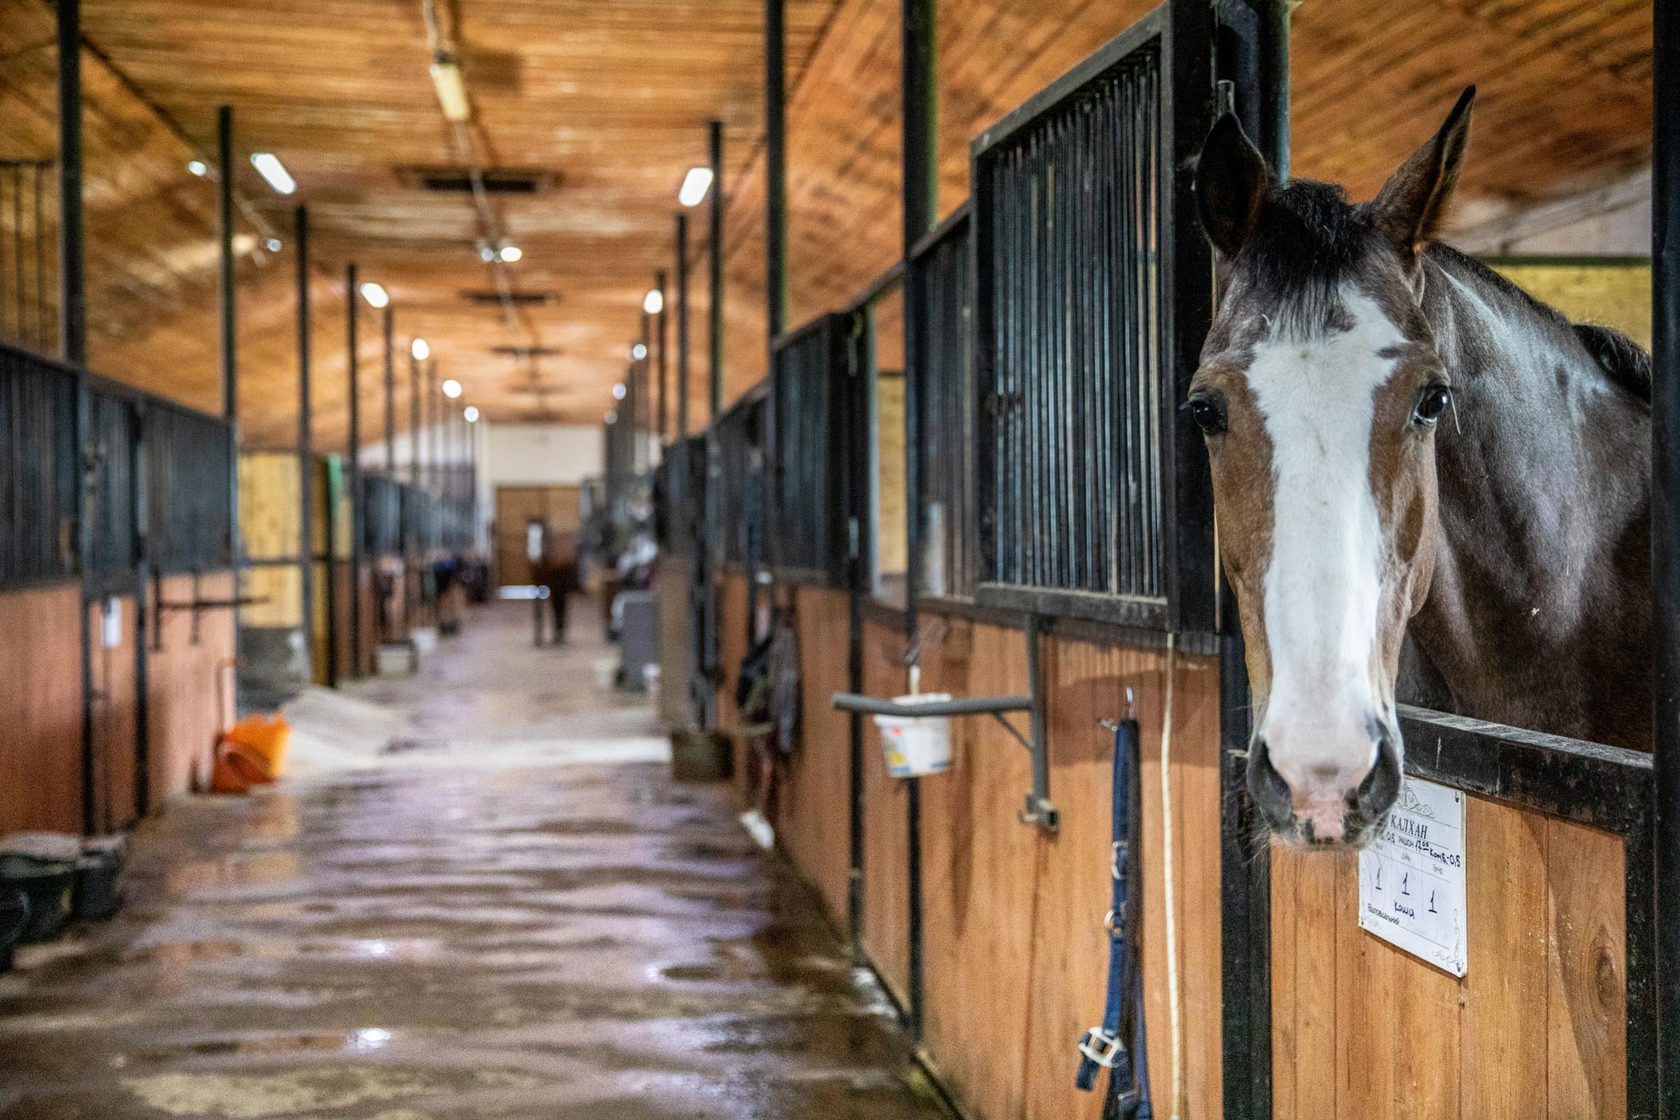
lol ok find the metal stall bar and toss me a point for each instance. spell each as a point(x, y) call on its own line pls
point(230, 354)
point(664, 362)
point(305, 450)
point(1665, 523)
point(682, 326)
point(353, 469)
point(711, 555)
point(919, 78)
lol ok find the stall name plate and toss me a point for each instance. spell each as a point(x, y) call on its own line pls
point(1411, 878)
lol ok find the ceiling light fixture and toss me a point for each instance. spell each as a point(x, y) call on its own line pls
point(654, 302)
point(471, 414)
point(421, 349)
point(198, 167)
point(618, 391)
point(451, 90)
point(694, 186)
point(511, 253)
point(612, 417)
point(451, 388)
point(375, 294)
point(638, 352)
point(274, 172)
point(272, 244)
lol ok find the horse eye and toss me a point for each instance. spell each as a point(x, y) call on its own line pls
point(1435, 400)
point(1207, 416)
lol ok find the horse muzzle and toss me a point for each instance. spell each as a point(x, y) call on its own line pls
point(1327, 806)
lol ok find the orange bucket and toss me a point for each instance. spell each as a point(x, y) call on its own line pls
point(265, 739)
point(238, 767)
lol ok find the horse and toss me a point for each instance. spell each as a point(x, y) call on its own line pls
point(1427, 485)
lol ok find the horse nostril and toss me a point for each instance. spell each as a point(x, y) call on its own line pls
point(1381, 788)
point(1267, 787)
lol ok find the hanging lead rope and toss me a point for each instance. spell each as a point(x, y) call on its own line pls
point(1106, 1046)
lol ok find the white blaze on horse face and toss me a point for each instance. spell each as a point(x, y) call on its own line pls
point(1324, 582)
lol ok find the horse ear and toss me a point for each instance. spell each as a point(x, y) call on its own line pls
point(1412, 203)
point(1231, 183)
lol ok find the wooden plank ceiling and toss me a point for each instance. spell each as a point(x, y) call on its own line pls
point(607, 100)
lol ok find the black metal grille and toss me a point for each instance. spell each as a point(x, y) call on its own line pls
point(37, 470)
point(111, 494)
point(1072, 412)
point(808, 487)
point(939, 287)
point(682, 495)
point(381, 516)
point(741, 447)
point(189, 481)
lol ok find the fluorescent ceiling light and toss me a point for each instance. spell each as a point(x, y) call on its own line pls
point(694, 186)
point(654, 302)
point(421, 349)
point(618, 391)
point(274, 172)
point(612, 417)
point(638, 352)
point(471, 414)
point(375, 294)
point(198, 167)
point(451, 388)
point(451, 90)
point(511, 253)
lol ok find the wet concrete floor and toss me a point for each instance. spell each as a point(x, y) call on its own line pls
point(475, 926)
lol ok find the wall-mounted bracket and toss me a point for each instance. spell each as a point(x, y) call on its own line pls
point(1038, 810)
point(198, 604)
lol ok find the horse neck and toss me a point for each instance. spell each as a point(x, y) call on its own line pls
point(1539, 611)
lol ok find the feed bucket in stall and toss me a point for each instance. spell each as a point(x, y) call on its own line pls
point(916, 745)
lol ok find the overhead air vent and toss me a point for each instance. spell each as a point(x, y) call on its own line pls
point(492, 297)
point(498, 180)
point(525, 351)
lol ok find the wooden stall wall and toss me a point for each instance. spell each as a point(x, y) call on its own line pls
point(1015, 952)
point(676, 640)
point(1536, 1028)
point(814, 822)
point(191, 683)
point(886, 821)
point(732, 648)
point(116, 712)
point(41, 710)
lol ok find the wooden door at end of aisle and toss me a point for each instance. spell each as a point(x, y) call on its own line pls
point(557, 507)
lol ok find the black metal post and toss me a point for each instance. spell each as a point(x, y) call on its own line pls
point(72, 289)
point(1665, 523)
point(682, 326)
point(414, 422)
point(775, 168)
point(664, 361)
point(714, 273)
point(713, 561)
point(920, 82)
point(72, 276)
point(230, 353)
point(1274, 83)
point(353, 470)
point(390, 396)
point(305, 446)
point(644, 398)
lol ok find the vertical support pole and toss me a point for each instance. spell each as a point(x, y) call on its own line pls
point(390, 396)
point(918, 59)
point(305, 447)
point(1665, 523)
point(775, 277)
point(664, 359)
point(714, 271)
point(412, 594)
point(644, 397)
point(353, 467)
point(682, 327)
point(72, 289)
point(413, 421)
point(230, 354)
point(713, 561)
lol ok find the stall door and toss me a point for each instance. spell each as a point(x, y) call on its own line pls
point(555, 507)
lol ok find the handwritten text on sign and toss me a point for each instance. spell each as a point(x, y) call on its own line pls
point(1411, 878)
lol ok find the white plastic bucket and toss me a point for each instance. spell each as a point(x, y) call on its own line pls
point(916, 745)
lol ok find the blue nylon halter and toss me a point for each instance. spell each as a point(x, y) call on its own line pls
point(1105, 1046)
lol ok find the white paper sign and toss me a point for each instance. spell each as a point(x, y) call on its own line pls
point(111, 629)
point(1411, 878)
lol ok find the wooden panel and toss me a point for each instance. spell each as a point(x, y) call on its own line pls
point(41, 710)
point(886, 821)
point(1537, 1027)
point(1014, 917)
point(190, 688)
point(732, 648)
point(269, 504)
point(115, 718)
point(892, 519)
point(814, 823)
point(676, 641)
point(278, 591)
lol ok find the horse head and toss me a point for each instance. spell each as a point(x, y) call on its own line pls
point(1318, 393)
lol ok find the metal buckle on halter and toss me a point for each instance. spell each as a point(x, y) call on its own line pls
point(1103, 1048)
